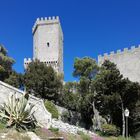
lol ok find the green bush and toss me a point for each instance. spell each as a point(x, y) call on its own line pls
point(65, 116)
point(83, 135)
point(122, 138)
point(110, 130)
point(50, 106)
point(54, 130)
point(2, 125)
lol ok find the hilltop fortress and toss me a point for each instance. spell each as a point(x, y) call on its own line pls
point(127, 61)
point(48, 48)
point(47, 43)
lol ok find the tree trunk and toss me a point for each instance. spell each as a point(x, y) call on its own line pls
point(97, 116)
point(123, 120)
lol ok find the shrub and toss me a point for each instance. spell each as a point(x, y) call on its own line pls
point(2, 125)
point(123, 138)
point(17, 114)
point(65, 116)
point(83, 135)
point(50, 106)
point(54, 130)
point(110, 130)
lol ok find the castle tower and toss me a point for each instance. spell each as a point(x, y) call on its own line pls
point(48, 42)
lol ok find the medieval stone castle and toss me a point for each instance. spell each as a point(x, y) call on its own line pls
point(48, 48)
point(47, 43)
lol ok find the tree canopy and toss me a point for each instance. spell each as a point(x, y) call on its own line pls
point(42, 81)
point(115, 93)
point(6, 63)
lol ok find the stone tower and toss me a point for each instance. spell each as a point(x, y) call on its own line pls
point(127, 61)
point(48, 43)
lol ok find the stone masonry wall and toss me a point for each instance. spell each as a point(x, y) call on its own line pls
point(127, 61)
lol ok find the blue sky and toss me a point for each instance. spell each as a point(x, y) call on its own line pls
point(90, 27)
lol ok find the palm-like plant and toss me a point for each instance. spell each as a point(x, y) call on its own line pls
point(17, 113)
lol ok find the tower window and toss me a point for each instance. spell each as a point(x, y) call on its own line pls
point(48, 44)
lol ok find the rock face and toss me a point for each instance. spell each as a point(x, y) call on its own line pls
point(65, 127)
point(42, 116)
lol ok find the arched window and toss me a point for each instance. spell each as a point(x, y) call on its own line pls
point(48, 44)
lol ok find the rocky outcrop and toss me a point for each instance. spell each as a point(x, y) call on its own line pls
point(65, 127)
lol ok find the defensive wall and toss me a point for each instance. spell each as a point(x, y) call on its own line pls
point(127, 61)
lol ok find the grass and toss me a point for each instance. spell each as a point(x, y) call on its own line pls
point(84, 136)
point(118, 138)
point(54, 130)
point(45, 134)
point(11, 134)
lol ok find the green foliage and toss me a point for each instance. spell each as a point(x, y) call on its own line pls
point(107, 88)
point(110, 130)
point(17, 114)
point(85, 67)
point(2, 125)
point(84, 136)
point(54, 130)
point(15, 80)
point(119, 138)
point(42, 81)
point(50, 106)
point(65, 116)
point(114, 93)
point(70, 87)
point(6, 63)
point(123, 138)
point(70, 101)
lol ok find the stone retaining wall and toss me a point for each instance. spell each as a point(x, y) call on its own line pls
point(42, 116)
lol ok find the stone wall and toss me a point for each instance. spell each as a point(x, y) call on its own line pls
point(42, 116)
point(127, 61)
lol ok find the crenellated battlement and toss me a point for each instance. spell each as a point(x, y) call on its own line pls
point(45, 20)
point(26, 60)
point(47, 43)
point(127, 61)
point(118, 52)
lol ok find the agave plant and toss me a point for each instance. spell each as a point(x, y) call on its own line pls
point(17, 113)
